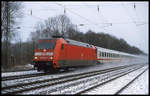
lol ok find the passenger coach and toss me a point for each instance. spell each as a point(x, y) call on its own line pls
point(107, 55)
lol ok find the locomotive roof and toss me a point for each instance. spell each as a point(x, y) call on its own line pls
point(73, 42)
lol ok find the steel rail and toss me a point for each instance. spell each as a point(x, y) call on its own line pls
point(21, 76)
point(59, 78)
point(123, 88)
point(106, 81)
point(17, 70)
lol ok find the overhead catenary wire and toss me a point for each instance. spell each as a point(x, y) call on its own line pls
point(91, 22)
point(135, 10)
point(134, 21)
point(104, 19)
point(65, 11)
point(80, 16)
point(101, 15)
point(98, 8)
point(89, 7)
point(128, 13)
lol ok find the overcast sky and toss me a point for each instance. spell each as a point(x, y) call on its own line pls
point(129, 19)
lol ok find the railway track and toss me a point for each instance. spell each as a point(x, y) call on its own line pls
point(99, 87)
point(21, 76)
point(18, 70)
point(128, 84)
point(27, 87)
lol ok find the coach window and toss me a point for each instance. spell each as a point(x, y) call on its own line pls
point(103, 54)
point(100, 53)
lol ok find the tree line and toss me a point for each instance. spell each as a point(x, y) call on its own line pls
point(21, 53)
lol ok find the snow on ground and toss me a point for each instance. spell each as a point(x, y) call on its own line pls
point(75, 71)
point(33, 79)
point(84, 69)
point(55, 88)
point(19, 73)
point(113, 86)
point(139, 86)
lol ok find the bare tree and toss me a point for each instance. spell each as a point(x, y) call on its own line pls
point(52, 26)
point(64, 24)
point(58, 25)
point(10, 11)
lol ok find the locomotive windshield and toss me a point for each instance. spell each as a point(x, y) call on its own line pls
point(46, 44)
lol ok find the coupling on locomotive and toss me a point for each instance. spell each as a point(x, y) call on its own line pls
point(58, 52)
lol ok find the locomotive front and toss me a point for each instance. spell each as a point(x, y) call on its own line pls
point(44, 54)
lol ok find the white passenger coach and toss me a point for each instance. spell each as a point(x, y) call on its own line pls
point(107, 55)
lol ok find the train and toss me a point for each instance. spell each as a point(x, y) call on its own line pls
point(63, 53)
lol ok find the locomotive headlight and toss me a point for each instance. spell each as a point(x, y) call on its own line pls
point(49, 53)
point(35, 57)
point(50, 57)
point(38, 53)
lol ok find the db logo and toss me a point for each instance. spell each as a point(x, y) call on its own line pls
point(43, 53)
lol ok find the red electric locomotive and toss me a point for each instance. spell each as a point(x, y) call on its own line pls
point(57, 53)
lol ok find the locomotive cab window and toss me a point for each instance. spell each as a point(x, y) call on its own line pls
point(46, 44)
